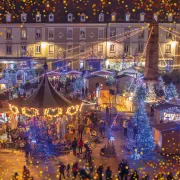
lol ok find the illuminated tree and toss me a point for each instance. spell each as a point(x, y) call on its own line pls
point(78, 84)
point(171, 92)
point(151, 94)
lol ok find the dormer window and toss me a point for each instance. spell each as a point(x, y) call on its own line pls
point(156, 16)
point(83, 17)
point(142, 16)
point(23, 17)
point(101, 17)
point(38, 17)
point(51, 17)
point(8, 17)
point(113, 17)
point(170, 17)
point(70, 17)
point(128, 16)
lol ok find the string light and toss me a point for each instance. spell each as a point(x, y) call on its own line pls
point(30, 112)
point(72, 110)
point(53, 112)
point(14, 109)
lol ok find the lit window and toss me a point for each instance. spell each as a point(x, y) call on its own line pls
point(112, 48)
point(142, 16)
point(128, 16)
point(8, 34)
point(82, 34)
point(170, 17)
point(23, 33)
point(38, 33)
point(23, 50)
point(113, 17)
point(51, 33)
point(126, 48)
point(101, 34)
point(51, 49)
point(70, 34)
point(100, 48)
point(9, 49)
point(38, 48)
point(168, 48)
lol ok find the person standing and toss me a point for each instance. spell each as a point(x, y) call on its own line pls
point(125, 128)
point(107, 113)
point(68, 170)
point(27, 151)
point(26, 173)
point(121, 169)
point(86, 92)
point(134, 176)
point(62, 168)
point(82, 92)
point(80, 146)
point(108, 173)
point(100, 171)
point(74, 146)
point(75, 169)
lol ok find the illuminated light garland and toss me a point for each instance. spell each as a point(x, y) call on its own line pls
point(14, 109)
point(55, 112)
point(75, 109)
point(30, 112)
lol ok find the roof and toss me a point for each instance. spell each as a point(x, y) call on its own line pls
point(44, 97)
point(169, 126)
point(122, 76)
point(91, 9)
point(165, 106)
point(94, 76)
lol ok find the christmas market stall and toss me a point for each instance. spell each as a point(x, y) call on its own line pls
point(166, 112)
point(167, 137)
point(46, 111)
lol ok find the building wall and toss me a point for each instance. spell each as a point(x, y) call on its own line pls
point(93, 44)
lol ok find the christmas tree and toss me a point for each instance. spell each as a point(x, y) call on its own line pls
point(78, 84)
point(140, 95)
point(142, 133)
point(151, 95)
point(63, 78)
point(170, 92)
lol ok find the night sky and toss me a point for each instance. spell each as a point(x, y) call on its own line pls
point(90, 7)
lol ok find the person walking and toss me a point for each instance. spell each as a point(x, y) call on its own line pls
point(62, 168)
point(125, 127)
point(134, 176)
point(68, 170)
point(75, 169)
point(108, 173)
point(26, 173)
point(80, 146)
point(121, 169)
point(126, 171)
point(107, 113)
point(27, 151)
point(169, 176)
point(74, 146)
point(100, 171)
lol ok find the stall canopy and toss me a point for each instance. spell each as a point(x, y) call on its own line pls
point(73, 73)
point(102, 73)
point(54, 74)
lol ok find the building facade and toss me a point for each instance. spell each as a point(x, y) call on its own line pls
point(82, 45)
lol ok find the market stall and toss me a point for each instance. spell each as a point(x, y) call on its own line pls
point(166, 112)
point(167, 137)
